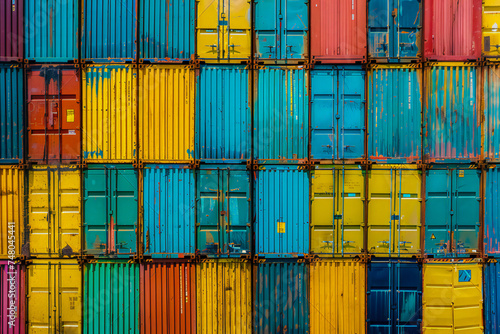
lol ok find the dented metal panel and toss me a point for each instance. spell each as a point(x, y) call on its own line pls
point(12, 298)
point(491, 35)
point(11, 30)
point(11, 211)
point(492, 212)
point(491, 112)
point(11, 114)
point(491, 297)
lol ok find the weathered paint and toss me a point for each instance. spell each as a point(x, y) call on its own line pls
point(491, 297)
point(11, 211)
point(166, 113)
point(109, 113)
point(338, 31)
point(492, 212)
point(337, 296)
point(394, 296)
point(491, 35)
point(223, 296)
point(111, 302)
point(51, 30)
point(452, 203)
point(452, 298)
point(223, 212)
point(12, 298)
point(282, 211)
point(110, 210)
point(11, 114)
point(167, 30)
point(223, 116)
point(114, 41)
point(169, 211)
point(337, 112)
point(337, 210)
point(11, 30)
point(491, 112)
point(395, 113)
point(281, 29)
point(281, 122)
point(452, 30)
point(452, 119)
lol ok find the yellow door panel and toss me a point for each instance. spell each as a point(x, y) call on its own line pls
point(239, 29)
point(208, 35)
point(70, 298)
point(351, 205)
point(40, 221)
point(69, 222)
point(380, 209)
point(408, 203)
point(491, 23)
point(322, 211)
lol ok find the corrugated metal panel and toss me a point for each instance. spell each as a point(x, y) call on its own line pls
point(11, 114)
point(338, 30)
point(281, 295)
point(223, 296)
point(394, 205)
point(337, 207)
point(11, 30)
point(491, 297)
point(54, 211)
point(282, 211)
point(492, 212)
point(167, 30)
point(166, 113)
point(54, 296)
point(168, 297)
point(224, 119)
point(452, 30)
point(337, 296)
point(12, 298)
point(169, 210)
point(281, 29)
point(110, 210)
point(452, 120)
point(453, 298)
point(109, 113)
point(395, 113)
point(111, 297)
point(223, 30)
point(281, 122)
point(394, 297)
point(491, 112)
point(51, 30)
point(452, 202)
point(115, 40)
point(11, 210)
point(491, 36)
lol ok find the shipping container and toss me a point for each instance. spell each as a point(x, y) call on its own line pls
point(491, 236)
point(223, 115)
point(223, 210)
point(491, 112)
point(11, 114)
point(337, 112)
point(109, 113)
point(452, 119)
point(12, 298)
point(167, 30)
point(491, 36)
point(452, 30)
point(223, 296)
point(281, 30)
point(169, 211)
point(168, 297)
point(166, 113)
point(394, 30)
point(452, 206)
point(115, 41)
point(281, 114)
point(223, 30)
point(51, 30)
point(110, 210)
point(54, 296)
point(394, 207)
point(395, 113)
point(54, 212)
point(281, 211)
point(452, 297)
point(337, 296)
point(491, 297)
point(394, 296)
point(12, 199)
point(337, 210)
point(11, 30)
point(111, 297)
point(281, 297)
point(338, 31)
point(54, 121)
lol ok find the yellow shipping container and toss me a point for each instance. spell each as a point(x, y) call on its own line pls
point(224, 296)
point(109, 113)
point(54, 214)
point(54, 296)
point(491, 23)
point(452, 297)
point(11, 209)
point(338, 291)
point(166, 113)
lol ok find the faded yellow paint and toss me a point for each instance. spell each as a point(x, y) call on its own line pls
point(491, 25)
point(11, 210)
point(166, 113)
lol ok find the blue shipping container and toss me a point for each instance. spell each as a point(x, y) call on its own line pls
point(492, 212)
point(491, 109)
point(492, 297)
point(169, 210)
point(11, 114)
point(337, 112)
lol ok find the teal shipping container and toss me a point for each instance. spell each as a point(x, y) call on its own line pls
point(492, 212)
point(491, 110)
point(11, 114)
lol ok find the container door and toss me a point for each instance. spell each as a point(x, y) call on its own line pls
point(208, 211)
point(37, 115)
point(323, 211)
point(68, 299)
point(349, 216)
point(237, 30)
point(407, 211)
point(438, 211)
point(210, 28)
point(407, 298)
point(294, 32)
point(324, 116)
point(97, 206)
point(41, 213)
point(381, 212)
point(407, 35)
point(268, 21)
point(491, 34)
point(123, 215)
point(378, 290)
point(67, 206)
point(380, 23)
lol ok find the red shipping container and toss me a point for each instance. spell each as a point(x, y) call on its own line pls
point(338, 31)
point(11, 30)
point(54, 114)
point(12, 284)
point(452, 30)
